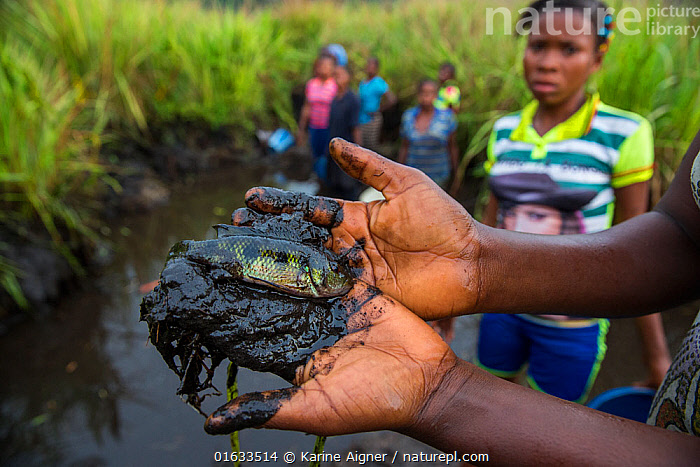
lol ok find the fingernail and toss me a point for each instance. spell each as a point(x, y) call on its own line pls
point(253, 196)
point(214, 425)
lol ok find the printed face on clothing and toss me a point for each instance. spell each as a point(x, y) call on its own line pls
point(557, 66)
point(533, 218)
point(427, 94)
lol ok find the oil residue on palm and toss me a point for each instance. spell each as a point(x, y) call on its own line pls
point(200, 314)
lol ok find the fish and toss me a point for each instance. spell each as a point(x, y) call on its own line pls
point(283, 265)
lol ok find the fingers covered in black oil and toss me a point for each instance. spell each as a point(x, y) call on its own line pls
point(322, 211)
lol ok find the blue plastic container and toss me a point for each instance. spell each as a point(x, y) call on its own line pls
point(280, 140)
point(628, 402)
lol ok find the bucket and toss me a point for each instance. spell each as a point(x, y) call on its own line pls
point(627, 402)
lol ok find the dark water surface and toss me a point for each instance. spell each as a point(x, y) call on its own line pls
point(82, 387)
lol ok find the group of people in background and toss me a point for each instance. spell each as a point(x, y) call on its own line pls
point(566, 163)
point(331, 109)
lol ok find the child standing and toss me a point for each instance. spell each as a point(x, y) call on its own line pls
point(315, 113)
point(343, 123)
point(566, 163)
point(449, 95)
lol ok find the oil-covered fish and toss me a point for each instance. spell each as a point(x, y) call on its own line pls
point(292, 267)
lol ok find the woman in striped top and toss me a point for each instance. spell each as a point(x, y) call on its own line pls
point(428, 136)
point(315, 114)
point(566, 163)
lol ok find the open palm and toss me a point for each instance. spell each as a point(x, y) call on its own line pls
point(379, 376)
point(428, 264)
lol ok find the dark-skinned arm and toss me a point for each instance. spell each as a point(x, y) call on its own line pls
point(303, 121)
point(632, 201)
point(475, 412)
point(411, 382)
point(357, 134)
point(453, 150)
point(419, 236)
point(403, 151)
point(388, 100)
point(391, 371)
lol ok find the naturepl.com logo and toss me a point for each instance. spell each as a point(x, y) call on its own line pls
point(658, 20)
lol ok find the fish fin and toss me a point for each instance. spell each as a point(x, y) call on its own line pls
point(307, 270)
point(313, 288)
point(275, 286)
point(227, 230)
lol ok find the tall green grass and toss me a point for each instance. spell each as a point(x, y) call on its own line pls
point(75, 73)
point(47, 162)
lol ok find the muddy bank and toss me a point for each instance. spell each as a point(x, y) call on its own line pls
point(146, 173)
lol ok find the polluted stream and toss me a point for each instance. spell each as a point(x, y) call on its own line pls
point(84, 387)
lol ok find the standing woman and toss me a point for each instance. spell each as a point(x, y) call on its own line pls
point(566, 159)
point(320, 91)
point(428, 136)
point(375, 97)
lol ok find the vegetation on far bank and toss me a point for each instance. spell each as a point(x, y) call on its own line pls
point(75, 74)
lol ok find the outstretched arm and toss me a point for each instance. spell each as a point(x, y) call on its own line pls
point(476, 412)
point(419, 237)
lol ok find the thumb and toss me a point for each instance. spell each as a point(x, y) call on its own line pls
point(387, 176)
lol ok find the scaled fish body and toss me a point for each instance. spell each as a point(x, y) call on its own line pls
point(291, 267)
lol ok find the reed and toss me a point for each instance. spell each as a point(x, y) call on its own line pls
point(48, 161)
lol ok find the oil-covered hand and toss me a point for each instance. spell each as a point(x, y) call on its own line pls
point(392, 371)
point(419, 245)
point(378, 376)
point(229, 298)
